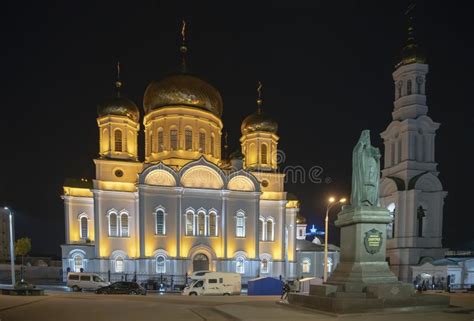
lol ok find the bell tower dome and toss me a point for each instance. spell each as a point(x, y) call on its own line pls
point(118, 125)
point(259, 139)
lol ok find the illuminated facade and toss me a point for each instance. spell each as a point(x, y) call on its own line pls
point(410, 187)
point(185, 208)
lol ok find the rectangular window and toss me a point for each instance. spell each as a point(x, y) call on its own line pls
point(270, 231)
point(212, 281)
point(160, 223)
point(113, 224)
point(189, 223)
point(85, 277)
point(74, 277)
point(160, 141)
point(221, 280)
point(188, 139)
point(174, 139)
point(240, 226)
point(124, 225)
point(201, 224)
point(118, 140)
point(202, 142)
point(212, 224)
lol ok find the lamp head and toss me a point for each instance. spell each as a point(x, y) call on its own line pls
point(342, 200)
point(331, 200)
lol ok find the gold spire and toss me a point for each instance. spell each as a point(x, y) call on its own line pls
point(118, 82)
point(259, 96)
point(183, 48)
point(411, 52)
point(411, 26)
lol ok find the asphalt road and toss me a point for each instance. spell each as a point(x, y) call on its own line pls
point(69, 306)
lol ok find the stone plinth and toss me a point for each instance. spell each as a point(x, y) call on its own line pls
point(362, 281)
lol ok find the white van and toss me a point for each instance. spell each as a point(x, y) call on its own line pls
point(214, 283)
point(82, 280)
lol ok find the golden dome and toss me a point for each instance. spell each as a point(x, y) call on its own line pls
point(119, 106)
point(412, 53)
point(183, 89)
point(258, 121)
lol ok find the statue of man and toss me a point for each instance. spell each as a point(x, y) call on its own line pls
point(365, 172)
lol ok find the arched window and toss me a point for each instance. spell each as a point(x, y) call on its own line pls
point(261, 229)
point(160, 264)
point(78, 263)
point(409, 87)
point(264, 154)
point(124, 225)
point(150, 141)
point(201, 223)
point(174, 139)
point(213, 153)
point(240, 265)
point(264, 266)
point(113, 226)
point(189, 223)
point(119, 265)
point(420, 215)
point(269, 229)
point(306, 265)
point(399, 88)
point(213, 224)
point(160, 222)
point(161, 142)
point(240, 224)
point(188, 139)
point(202, 142)
point(118, 140)
point(84, 228)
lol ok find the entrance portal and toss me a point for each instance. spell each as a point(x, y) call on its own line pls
point(200, 263)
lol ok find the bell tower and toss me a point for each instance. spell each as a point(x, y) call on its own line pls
point(410, 188)
point(118, 126)
point(259, 139)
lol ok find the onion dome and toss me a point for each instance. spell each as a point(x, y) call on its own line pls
point(258, 121)
point(119, 105)
point(183, 89)
point(300, 219)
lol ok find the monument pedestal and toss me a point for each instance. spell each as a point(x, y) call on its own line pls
point(363, 280)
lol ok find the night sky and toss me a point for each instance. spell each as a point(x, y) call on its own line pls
point(325, 66)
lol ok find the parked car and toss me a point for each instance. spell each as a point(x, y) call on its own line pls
point(122, 288)
point(214, 283)
point(83, 280)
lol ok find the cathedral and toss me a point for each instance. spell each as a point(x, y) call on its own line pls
point(187, 206)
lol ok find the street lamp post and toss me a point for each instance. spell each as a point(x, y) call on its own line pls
point(332, 202)
point(12, 251)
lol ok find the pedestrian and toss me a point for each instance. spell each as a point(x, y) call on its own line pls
point(286, 290)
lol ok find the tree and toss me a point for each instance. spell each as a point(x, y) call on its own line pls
point(22, 248)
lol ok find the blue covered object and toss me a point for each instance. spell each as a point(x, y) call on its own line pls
point(265, 286)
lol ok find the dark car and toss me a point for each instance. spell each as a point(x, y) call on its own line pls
point(122, 288)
